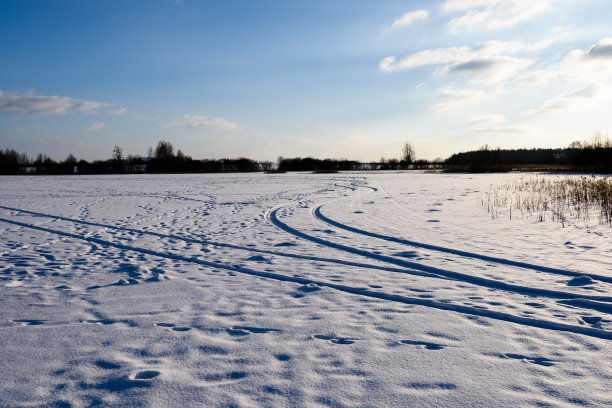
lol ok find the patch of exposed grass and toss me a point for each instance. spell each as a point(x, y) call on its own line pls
point(560, 199)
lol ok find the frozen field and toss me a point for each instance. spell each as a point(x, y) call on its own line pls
point(343, 290)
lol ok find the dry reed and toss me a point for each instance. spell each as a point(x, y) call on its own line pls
point(561, 199)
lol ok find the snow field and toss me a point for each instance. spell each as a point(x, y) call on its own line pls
point(295, 290)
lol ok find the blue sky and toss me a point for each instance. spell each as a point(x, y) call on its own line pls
point(264, 78)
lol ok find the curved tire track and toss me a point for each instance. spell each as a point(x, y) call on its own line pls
point(433, 271)
point(542, 324)
point(109, 228)
point(316, 212)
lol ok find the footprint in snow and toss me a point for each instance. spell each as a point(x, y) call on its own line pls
point(172, 327)
point(106, 365)
point(424, 344)
point(285, 244)
point(311, 287)
point(104, 322)
point(28, 322)
point(257, 258)
point(581, 281)
point(543, 361)
point(335, 339)
point(283, 357)
point(231, 376)
point(407, 254)
point(145, 375)
point(592, 320)
point(246, 330)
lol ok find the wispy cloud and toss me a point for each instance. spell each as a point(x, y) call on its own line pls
point(22, 103)
point(451, 98)
point(492, 14)
point(484, 63)
point(486, 119)
point(537, 78)
point(603, 49)
point(491, 124)
point(593, 64)
point(439, 56)
point(199, 121)
point(121, 111)
point(409, 18)
point(95, 126)
point(487, 70)
point(567, 100)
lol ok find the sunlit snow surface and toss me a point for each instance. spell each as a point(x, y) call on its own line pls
point(296, 290)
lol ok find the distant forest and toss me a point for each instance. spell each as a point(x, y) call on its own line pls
point(594, 155)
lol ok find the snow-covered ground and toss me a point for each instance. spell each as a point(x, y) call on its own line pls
point(296, 290)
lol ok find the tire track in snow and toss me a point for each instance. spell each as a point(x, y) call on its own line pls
point(108, 228)
point(272, 218)
point(316, 212)
point(542, 324)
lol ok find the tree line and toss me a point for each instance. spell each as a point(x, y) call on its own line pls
point(162, 159)
point(594, 155)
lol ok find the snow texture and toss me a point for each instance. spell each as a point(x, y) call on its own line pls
point(306, 290)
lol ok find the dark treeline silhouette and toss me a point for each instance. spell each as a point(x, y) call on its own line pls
point(310, 164)
point(594, 155)
point(162, 159)
point(579, 156)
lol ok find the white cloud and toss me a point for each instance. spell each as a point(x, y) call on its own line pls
point(121, 111)
point(199, 121)
point(497, 129)
point(491, 124)
point(567, 100)
point(409, 18)
point(487, 70)
point(452, 98)
point(486, 119)
point(19, 130)
point(440, 56)
point(595, 64)
point(96, 126)
point(486, 63)
point(603, 49)
point(21, 103)
point(492, 14)
point(537, 78)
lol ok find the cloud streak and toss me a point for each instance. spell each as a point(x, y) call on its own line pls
point(96, 126)
point(480, 15)
point(120, 111)
point(409, 18)
point(23, 103)
point(566, 100)
point(486, 63)
point(463, 54)
point(199, 121)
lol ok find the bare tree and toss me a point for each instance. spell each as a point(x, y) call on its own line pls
point(164, 150)
point(266, 166)
point(408, 153)
point(118, 154)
